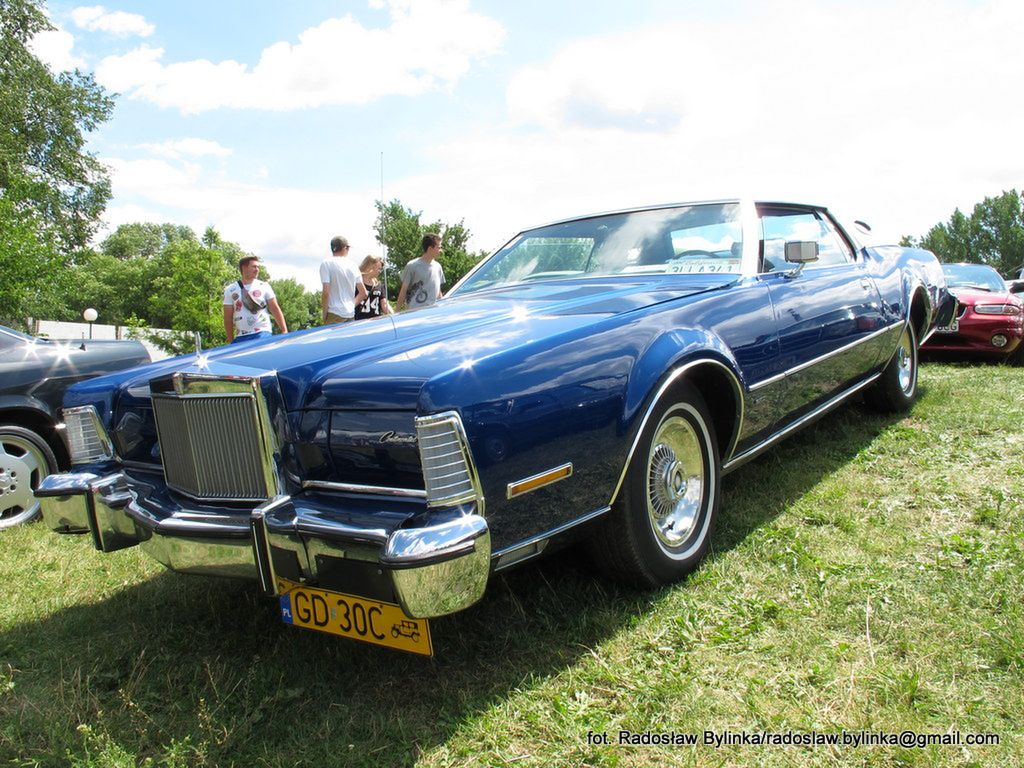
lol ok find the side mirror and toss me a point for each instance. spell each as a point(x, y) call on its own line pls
point(801, 252)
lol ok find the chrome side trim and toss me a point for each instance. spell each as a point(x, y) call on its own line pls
point(770, 380)
point(375, 490)
point(538, 481)
point(656, 399)
point(543, 538)
point(821, 410)
point(846, 348)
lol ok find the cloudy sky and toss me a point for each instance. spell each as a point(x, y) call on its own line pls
point(276, 122)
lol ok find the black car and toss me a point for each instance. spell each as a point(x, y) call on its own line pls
point(34, 373)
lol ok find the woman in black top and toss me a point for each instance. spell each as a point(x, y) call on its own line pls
point(376, 302)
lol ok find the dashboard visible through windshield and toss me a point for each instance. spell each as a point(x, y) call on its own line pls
point(704, 238)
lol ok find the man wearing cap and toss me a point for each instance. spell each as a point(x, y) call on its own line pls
point(249, 303)
point(342, 284)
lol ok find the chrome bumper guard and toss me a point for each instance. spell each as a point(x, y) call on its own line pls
point(436, 563)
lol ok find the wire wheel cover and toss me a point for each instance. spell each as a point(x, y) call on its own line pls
point(676, 481)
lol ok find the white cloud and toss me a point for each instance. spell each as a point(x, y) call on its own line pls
point(96, 18)
point(188, 147)
point(894, 113)
point(55, 48)
point(289, 228)
point(430, 45)
point(900, 111)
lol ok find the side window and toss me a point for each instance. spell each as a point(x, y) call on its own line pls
point(780, 226)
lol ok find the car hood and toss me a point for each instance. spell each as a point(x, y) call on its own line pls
point(381, 364)
point(972, 296)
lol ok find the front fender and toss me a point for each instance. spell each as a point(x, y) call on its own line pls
point(26, 403)
point(669, 351)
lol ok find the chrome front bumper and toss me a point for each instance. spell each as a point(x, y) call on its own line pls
point(433, 563)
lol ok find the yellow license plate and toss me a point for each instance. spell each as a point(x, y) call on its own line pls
point(356, 617)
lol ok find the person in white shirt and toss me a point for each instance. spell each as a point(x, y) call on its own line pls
point(249, 303)
point(342, 284)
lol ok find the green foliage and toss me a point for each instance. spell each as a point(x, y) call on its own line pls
point(301, 309)
point(43, 163)
point(163, 276)
point(31, 277)
point(190, 294)
point(144, 240)
point(993, 234)
point(400, 230)
point(119, 287)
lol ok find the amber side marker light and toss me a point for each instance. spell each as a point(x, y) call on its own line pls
point(527, 484)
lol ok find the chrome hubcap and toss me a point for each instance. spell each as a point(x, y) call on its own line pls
point(675, 481)
point(905, 363)
point(21, 468)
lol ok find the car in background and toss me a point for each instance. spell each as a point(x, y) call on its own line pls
point(989, 320)
point(34, 372)
point(592, 380)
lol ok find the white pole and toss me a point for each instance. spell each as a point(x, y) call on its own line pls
point(383, 225)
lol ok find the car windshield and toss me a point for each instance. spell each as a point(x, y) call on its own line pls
point(685, 239)
point(973, 276)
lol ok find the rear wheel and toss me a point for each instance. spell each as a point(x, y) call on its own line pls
point(660, 526)
point(25, 459)
point(896, 389)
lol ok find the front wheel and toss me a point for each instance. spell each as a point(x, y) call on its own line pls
point(896, 389)
point(660, 526)
point(25, 459)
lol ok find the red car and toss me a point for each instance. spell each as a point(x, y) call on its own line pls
point(990, 319)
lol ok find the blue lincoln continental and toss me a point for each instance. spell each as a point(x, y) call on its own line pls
point(593, 379)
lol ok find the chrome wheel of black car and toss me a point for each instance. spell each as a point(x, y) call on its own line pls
point(660, 526)
point(896, 389)
point(25, 459)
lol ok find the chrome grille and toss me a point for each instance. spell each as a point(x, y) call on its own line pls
point(447, 471)
point(211, 445)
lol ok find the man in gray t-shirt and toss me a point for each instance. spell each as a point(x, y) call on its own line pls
point(422, 277)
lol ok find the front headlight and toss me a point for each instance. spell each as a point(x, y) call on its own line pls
point(997, 309)
point(448, 470)
point(87, 439)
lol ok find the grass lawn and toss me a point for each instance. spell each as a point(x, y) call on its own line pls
point(865, 576)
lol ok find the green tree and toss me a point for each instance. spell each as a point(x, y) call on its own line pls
point(44, 168)
point(189, 296)
point(400, 230)
point(301, 309)
point(993, 234)
point(144, 240)
point(32, 278)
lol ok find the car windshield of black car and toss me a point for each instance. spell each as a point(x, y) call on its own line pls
point(683, 240)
